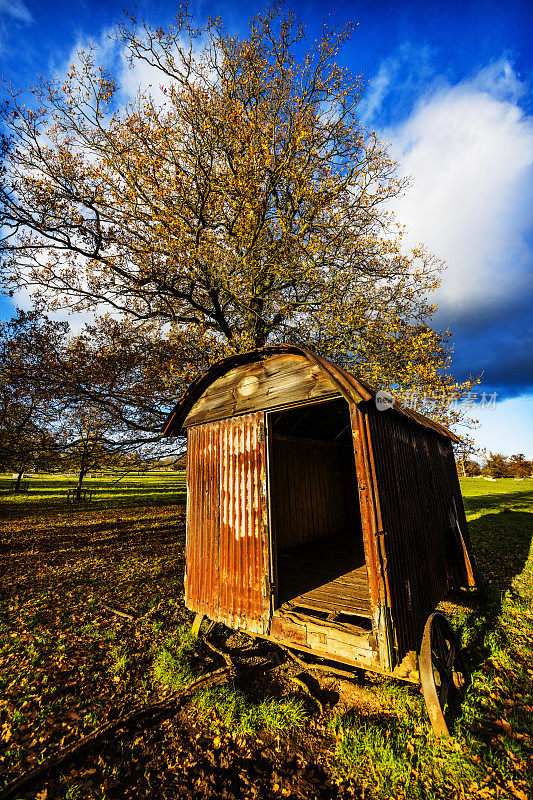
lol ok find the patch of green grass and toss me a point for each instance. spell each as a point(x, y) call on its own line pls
point(399, 756)
point(16, 718)
point(172, 665)
point(91, 630)
point(499, 702)
point(91, 719)
point(236, 712)
point(74, 791)
point(400, 759)
point(108, 488)
point(119, 659)
point(500, 525)
point(156, 627)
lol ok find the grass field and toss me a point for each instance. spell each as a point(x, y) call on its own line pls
point(71, 661)
point(112, 489)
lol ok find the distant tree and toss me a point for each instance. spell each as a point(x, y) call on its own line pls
point(179, 463)
point(88, 445)
point(99, 396)
point(28, 407)
point(464, 451)
point(496, 465)
point(519, 467)
point(117, 381)
point(471, 468)
point(24, 446)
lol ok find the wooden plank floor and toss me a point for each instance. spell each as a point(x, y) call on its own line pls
point(327, 575)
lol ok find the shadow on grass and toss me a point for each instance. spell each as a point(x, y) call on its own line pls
point(43, 506)
point(502, 543)
point(497, 638)
point(94, 548)
point(490, 751)
point(486, 502)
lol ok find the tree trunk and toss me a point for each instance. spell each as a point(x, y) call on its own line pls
point(82, 472)
point(19, 478)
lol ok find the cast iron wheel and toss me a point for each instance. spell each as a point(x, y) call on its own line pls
point(443, 674)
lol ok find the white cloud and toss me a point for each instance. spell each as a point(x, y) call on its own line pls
point(402, 77)
point(16, 9)
point(76, 319)
point(132, 79)
point(104, 50)
point(500, 80)
point(506, 428)
point(469, 150)
point(13, 13)
point(142, 78)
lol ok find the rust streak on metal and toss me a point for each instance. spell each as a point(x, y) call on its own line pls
point(378, 519)
point(242, 545)
point(362, 480)
point(226, 544)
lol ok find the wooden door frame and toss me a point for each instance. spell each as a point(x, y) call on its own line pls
point(373, 537)
point(272, 544)
point(269, 461)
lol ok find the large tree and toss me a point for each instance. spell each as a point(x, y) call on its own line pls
point(519, 467)
point(248, 207)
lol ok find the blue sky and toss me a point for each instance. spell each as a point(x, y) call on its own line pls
point(450, 86)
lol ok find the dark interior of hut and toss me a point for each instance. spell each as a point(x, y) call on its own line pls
point(315, 517)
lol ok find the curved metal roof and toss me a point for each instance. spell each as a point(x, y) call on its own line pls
point(353, 389)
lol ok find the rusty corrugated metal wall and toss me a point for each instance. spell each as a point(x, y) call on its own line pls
point(227, 573)
point(203, 519)
point(416, 481)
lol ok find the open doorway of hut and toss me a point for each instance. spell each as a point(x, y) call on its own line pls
point(317, 539)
